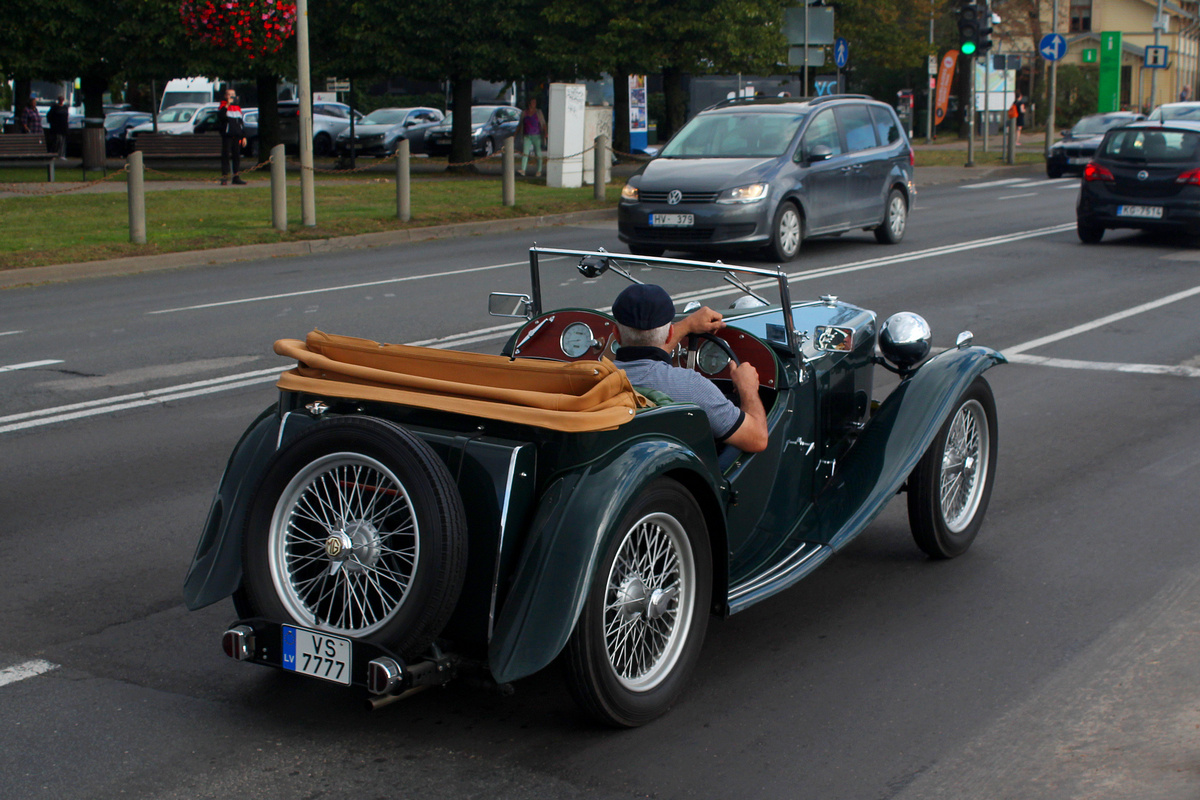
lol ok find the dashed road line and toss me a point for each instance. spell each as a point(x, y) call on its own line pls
point(29, 669)
point(29, 365)
point(1015, 196)
point(986, 184)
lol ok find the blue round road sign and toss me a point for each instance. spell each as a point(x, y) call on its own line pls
point(1052, 46)
point(841, 52)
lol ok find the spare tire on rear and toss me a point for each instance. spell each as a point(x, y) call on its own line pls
point(356, 529)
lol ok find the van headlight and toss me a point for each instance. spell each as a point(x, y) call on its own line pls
point(629, 193)
point(744, 194)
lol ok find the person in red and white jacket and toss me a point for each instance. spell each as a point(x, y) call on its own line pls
point(233, 137)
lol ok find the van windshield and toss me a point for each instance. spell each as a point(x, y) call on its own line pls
point(175, 98)
point(734, 135)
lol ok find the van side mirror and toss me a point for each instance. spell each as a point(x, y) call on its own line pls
point(818, 152)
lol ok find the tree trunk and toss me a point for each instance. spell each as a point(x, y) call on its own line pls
point(22, 87)
point(676, 101)
point(620, 134)
point(460, 134)
point(268, 114)
point(93, 99)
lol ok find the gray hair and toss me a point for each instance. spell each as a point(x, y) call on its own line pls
point(632, 337)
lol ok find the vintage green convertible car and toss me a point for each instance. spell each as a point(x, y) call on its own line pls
point(405, 514)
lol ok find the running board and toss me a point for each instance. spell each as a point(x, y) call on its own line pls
point(800, 562)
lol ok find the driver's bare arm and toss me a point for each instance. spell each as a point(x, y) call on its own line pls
point(702, 320)
point(751, 435)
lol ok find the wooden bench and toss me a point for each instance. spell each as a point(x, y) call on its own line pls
point(25, 148)
point(184, 145)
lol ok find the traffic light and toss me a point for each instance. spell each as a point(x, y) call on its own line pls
point(983, 34)
point(968, 27)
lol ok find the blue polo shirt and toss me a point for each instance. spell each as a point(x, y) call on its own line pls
point(651, 367)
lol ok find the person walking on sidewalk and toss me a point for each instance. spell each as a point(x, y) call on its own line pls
point(1019, 105)
point(233, 138)
point(533, 135)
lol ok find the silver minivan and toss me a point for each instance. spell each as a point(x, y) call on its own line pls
point(770, 172)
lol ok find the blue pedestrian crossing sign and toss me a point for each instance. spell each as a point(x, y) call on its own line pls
point(1053, 46)
point(841, 52)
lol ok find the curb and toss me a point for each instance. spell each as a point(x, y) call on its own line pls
point(55, 273)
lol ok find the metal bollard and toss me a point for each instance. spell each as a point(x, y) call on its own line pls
point(600, 161)
point(278, 189)
point(137, 198)
point(403, 180)
point(509, 172)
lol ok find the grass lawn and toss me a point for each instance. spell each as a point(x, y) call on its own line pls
point(72, 227)
point(932, 157)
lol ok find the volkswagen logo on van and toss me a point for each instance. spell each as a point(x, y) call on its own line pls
point(673, 197)
point(1142, 175)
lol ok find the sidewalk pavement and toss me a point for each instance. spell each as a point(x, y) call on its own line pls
point(924, 176)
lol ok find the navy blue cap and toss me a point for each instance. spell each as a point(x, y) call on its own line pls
point(643, 307)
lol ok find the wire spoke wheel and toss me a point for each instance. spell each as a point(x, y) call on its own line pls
point(648, 607)
point(948, 492)
point(643, 622)
point(357, 529)
point(345, 544)
point(964, 462)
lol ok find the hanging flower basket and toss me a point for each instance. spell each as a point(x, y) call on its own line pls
point(257, 27)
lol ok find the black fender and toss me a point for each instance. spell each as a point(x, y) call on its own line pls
point(216, 569)
point(575, 522)
point(892, 443)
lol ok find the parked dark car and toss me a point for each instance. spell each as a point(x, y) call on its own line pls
point(1077, 145)
point(403, 515)
point(1145, 175)
point(490, 126)
point(117, 125)
point(379, 133)
point(769, 173)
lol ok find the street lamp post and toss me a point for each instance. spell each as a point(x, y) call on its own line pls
point(308, 202)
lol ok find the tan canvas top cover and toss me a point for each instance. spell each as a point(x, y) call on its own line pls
point(580, 396)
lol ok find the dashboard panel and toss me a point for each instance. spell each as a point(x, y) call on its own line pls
point(585, 335)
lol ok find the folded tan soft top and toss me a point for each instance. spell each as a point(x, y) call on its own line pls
point(580, 396)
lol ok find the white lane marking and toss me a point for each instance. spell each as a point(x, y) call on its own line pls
point(1099, 323)
point(27, 670)
point(29, 419)
point(30, 365)
point(341, 288)
point(1015, 196)
point(1104, 366)
point(1074, 184)
point(991, 183)
point(10, 333)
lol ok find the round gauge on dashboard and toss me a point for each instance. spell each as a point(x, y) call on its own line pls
point(576, 340)
point(711, 359)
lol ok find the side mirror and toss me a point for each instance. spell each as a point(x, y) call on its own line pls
point(818, 152)
point(504, 304)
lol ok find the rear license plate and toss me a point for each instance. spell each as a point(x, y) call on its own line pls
point(673, 220)
point(1078, 160)
point(443, 141)
point(1153, 212)
point(317, 654)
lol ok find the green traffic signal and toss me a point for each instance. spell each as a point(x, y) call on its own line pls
point(968, 48)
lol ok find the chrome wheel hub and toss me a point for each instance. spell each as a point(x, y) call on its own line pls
point(964, 466)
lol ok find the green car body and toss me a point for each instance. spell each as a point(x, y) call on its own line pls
point(543, 506)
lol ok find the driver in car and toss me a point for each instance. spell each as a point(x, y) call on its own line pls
point(644, 314)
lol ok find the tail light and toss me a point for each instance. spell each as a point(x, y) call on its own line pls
point(912, 158)
point(1192, 176)
point(1095, 172)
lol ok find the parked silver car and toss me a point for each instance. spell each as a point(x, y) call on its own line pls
point(379, 132)
point(329, 120)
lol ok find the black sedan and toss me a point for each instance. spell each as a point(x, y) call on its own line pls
point(1075, 149)
point(1145, 175)
point(117, 125)
point(490, 126)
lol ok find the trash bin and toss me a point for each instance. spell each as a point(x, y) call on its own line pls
point(93, 146)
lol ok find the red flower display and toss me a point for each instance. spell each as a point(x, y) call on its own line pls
point(259, 27)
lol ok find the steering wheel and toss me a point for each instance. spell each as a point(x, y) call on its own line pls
point(693, 348)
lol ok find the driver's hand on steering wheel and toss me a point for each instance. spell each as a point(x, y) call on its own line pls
point(702, 320)
point(745, 378)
